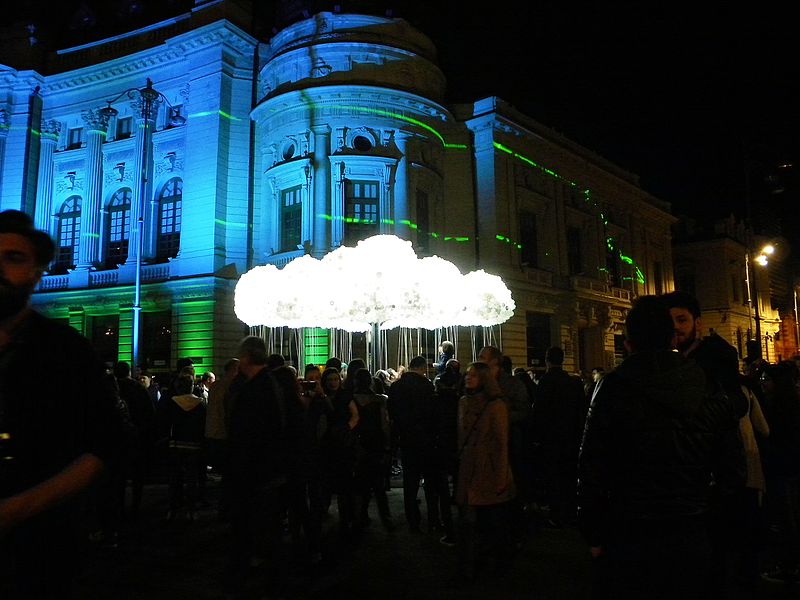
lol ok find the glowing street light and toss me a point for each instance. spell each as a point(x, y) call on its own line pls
point(752, 282)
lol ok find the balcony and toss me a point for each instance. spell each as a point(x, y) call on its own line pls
point(596, 287)
point(281, 259)
point(106, 278)
point(539, 277)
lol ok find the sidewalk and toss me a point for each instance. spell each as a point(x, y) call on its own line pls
point(184, 560)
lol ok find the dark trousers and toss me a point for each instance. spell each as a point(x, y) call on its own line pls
point(184, 477)
point(370, 481)
point(306, 498)
point(483, 536)
point(418, 464)
point(736, 534)
point(664, 560)
point(256, 532)
point(40, 558)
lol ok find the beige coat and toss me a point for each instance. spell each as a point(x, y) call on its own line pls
point(484, 473)
point(750, 424)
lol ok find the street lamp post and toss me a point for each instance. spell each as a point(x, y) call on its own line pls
point(752, 286)
point(149, 99)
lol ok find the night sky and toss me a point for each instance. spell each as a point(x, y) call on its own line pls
point(675, 93)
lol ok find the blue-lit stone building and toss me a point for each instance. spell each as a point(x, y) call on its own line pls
point(261, 150)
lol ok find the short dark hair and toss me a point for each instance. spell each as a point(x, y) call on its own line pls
point(15, 221)
point(309, 368)
point(275, 360)
point(554, 355)
point(649, 325)
point(334, 362)
point(418, 362)
point(121, 369)
point(183, 385)
point(679, 299)
point(254, 348)
point(362, 380)
point(183, 362)
point(448, 347)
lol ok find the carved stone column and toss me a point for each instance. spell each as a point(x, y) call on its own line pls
point(43, 215)
point(400, 190)
point(4, 125)
point(89, 249)
point(320, 219)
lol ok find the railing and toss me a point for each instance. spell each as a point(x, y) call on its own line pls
point(595, 286)
point(102, 278)
point(105, 278)
point(53, 282)
point(281, 259)
point(538, 277)
point(587, 284)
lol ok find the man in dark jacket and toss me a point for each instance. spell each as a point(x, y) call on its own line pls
point(59, 425)
point(556, 427)
point(730, 509)
point(644, 474)
point(411, 412)
point(258, 454)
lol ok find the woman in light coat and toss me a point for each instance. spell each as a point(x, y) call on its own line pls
point(484, 483)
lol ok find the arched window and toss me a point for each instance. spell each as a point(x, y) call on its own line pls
point(169, 220)
point(118, 228)
point(68, 234)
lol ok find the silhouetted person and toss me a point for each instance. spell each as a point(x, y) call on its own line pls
point(59, 420)
point(557, 429)
point(645, 467)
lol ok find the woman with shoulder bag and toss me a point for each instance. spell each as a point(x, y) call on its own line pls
point(484, 484)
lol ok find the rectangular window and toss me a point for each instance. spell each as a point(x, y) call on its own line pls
point(529, 238)
point(574, 258)
point(423, 223)
point(291, 219)
point(537, 335)
point(105, 337)
point(735, 287)
point(124, 128)
point(119, 225)
point(360, 211)
point(157, 339)
point(175, 116)
point(658, 278)
point(74, 138)
point(684, 281)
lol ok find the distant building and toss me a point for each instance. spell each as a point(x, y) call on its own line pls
point(334, 130)
point(711, 264)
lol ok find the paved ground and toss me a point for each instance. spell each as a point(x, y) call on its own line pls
point(184, 560)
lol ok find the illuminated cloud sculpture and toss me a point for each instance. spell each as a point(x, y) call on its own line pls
point(380, 281)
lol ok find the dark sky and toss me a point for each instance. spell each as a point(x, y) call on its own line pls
point(676, 95)
point(674, 92)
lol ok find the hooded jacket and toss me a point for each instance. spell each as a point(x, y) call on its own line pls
point(648, 447)
point(187, 420)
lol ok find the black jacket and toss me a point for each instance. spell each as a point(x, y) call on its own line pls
point(411, 410)
point(647, 450)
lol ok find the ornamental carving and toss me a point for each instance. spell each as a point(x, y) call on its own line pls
point(95, 119)
point(51, 128)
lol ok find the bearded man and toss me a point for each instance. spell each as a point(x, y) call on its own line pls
point(731, 507)
point(57, 432)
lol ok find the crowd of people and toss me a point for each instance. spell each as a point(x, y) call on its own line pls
point(680, 470)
